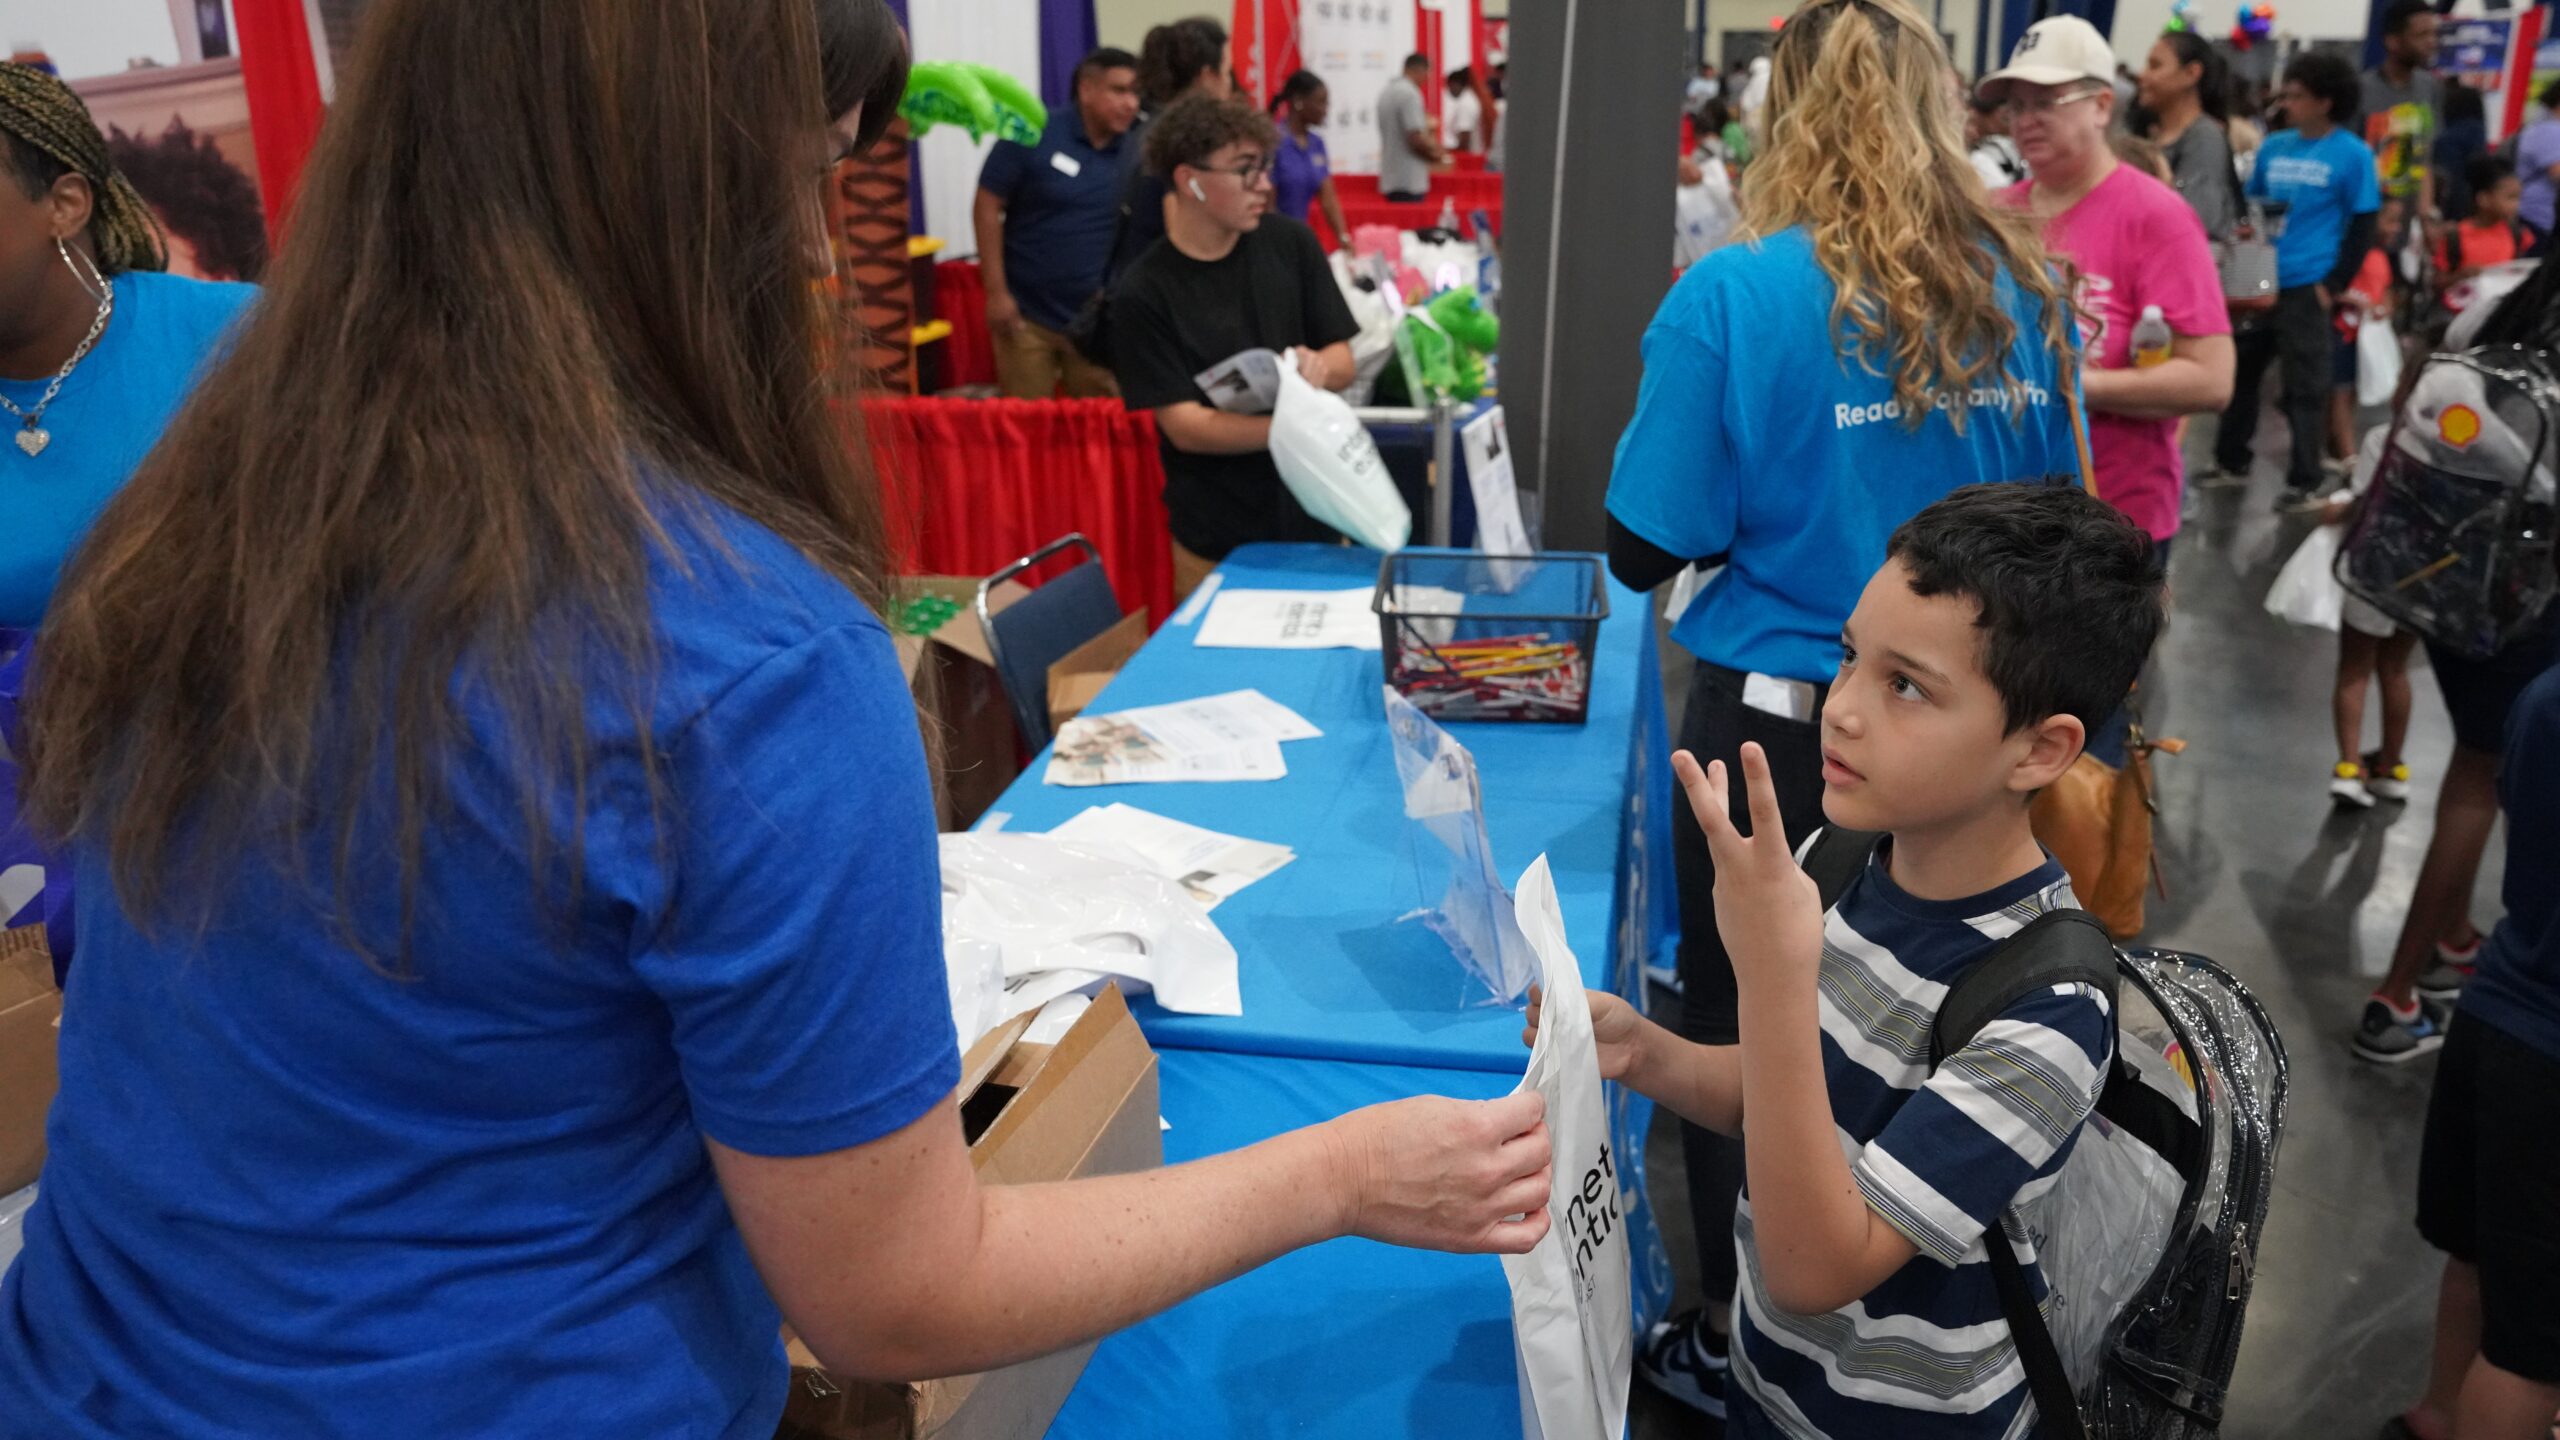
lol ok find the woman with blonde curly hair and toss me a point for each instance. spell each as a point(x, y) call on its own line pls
point(1887, 335)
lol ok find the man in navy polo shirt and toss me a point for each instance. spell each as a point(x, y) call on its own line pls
point(1046, 217)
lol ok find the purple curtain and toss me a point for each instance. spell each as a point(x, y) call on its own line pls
point(1067, 35)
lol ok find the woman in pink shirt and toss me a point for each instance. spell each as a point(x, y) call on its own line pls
point(2134, 244)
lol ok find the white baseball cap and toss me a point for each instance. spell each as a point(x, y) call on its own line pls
point(2058, 51)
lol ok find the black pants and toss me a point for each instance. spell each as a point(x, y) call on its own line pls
point(1714, 727)
point(2298, 335)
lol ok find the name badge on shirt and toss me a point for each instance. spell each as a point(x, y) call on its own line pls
point(1066, 164)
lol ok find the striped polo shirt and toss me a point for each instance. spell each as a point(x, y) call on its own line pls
point(1925, 1355)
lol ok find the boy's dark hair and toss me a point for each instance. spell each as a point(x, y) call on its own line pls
point(2484, 172)
point(2069, 590)
point(2462, 102)
point(1109, 57)
point(1417, 61)
point(1172, 56)
point(2397, 18)
point(200, 195)
point(1198, 126)
point(2332, 79)
point(2550, 96)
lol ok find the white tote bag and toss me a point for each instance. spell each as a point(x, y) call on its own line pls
point(2377, 362)
point(1572, 1323)
point(1328, 461)
point(2306, 592)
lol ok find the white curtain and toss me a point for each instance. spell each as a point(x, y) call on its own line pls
point(1002, 33)
point(1357, 56)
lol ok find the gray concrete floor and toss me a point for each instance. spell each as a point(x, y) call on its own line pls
point(2303, 903)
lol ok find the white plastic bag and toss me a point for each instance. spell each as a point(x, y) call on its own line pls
point(1328, 461)
point(1055, 909)
point(2377, 362)
point(2307, 591)
point(1703, 217)
point(1572, 1325)
point(1375, 345)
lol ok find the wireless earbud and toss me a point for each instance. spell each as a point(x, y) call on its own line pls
point(1197, 193)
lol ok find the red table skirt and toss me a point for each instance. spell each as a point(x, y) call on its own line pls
point(1362, 204)
point(973, 485)
point(960, 296)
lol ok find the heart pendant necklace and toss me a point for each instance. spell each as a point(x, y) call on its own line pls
point(32, 436)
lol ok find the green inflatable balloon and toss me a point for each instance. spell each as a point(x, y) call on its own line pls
point(947, 92)
point(978, 98)
point(1020, 117)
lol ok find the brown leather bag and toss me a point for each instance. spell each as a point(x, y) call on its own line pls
point(2097, 819)
point(2097, 822)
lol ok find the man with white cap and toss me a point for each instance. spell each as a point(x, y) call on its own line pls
point(2138, 248)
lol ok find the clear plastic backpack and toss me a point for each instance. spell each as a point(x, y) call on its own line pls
point(2453, 539)
point(2148, 1235)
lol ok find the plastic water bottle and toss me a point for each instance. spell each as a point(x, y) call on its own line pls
point(2151, 338)
point(1449, 214)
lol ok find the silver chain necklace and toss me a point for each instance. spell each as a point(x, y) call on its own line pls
point(32, 436)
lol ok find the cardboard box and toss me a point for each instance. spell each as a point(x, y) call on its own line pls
point(1077, 679)
point(1084, 1106)
point(954, 675)
point(30, 1006)
point(980, 748)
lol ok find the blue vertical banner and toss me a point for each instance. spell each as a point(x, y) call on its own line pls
point(1068, 33)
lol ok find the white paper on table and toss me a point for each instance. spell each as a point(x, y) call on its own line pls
point(1212, 722)
point(1309, 619)
point(1245, 383)
point(1499, 529)
point(1290, 620)
point(1064, 915)
point(1106, 750)
point(1208, 864)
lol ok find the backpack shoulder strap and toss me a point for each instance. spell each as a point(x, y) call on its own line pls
point(2058, 947)
point(1835, 859)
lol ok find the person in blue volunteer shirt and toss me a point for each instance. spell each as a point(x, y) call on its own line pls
point(2323, 177)
point(1800, 401)
point(1046, 216)
point(98, 347)
point(1301, 168)
point(513, 979)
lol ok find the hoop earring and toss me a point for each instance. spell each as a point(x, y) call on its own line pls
point(96, 287)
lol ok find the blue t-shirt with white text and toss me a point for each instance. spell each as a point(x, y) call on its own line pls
point(2323, 183)
point(288, 1194)
point(1758, 437)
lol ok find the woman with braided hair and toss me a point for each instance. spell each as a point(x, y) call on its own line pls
point(98, 347)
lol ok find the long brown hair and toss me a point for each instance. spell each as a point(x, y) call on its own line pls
point(546, 295)
point(1866, 152)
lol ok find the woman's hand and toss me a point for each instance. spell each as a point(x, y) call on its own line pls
point(1617, 1031)
point(1438, 1174)
point(1767, 909)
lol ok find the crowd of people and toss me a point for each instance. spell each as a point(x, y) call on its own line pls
point(537, 602)
point(2384, 204)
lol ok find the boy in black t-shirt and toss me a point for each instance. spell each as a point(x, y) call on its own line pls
point(1227, 278)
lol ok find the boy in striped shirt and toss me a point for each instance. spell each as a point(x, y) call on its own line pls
point(2007, 622)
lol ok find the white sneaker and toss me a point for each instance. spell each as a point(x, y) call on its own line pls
point(2347, 786)
point(2386, 782)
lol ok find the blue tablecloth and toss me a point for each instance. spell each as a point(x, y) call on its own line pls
point(1346, 1006)
point(1349, 1338)
point(1326, 968)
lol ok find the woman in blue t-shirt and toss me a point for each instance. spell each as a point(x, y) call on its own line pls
point(1890, 336)
point(512, 980)
point(1301, 171)
point(2317, 181)
point(97, 350)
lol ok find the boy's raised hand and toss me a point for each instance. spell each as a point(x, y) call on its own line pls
point(1616, 1030)
point(1767, 909)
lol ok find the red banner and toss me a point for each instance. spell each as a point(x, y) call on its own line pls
point(1265, 46)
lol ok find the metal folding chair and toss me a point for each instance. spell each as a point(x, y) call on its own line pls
point(1040, 629)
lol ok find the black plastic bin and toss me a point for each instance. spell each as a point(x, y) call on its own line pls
point(1468, 636)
